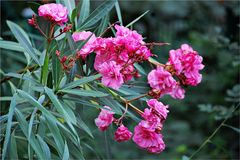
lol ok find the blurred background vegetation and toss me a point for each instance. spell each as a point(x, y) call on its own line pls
point(212, 28)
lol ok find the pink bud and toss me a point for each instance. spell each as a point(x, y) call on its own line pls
point(58, 53)
point(64, 59)
point(122, 134)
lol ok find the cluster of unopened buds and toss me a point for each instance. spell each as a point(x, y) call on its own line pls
point(115, 58)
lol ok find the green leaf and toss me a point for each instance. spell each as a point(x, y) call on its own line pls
point(33, 142)
point(44, 71)
point(185, 157)
point(34, 6)
point(135, 20)
point(5, 99)
point(22, 38)
point(9, 45)
point(118, 13)
point(233, 128)
point(84, 127)
point(56, 69)
point(13, 147)
point(84, 12)
point(66, 152)
point(140, 69)
point(56, 135)
point(44, 147)
point(59, 106)
point(70, 4)
point(81, 81)
point(74, 15)
point(98, 14)
point(30, 125)
point(103, 25)
point(9, 125)
point(84, 93)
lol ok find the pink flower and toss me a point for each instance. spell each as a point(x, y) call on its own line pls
point(152, 121)
point(54, 12)
point(105, 118)
point(89, 46)
point(158, 148)
point(178, 92)
point(122, 134)
point(159, 108)
point(187, 62)
point(162, 80)
point(111, 75)
point(148, 139)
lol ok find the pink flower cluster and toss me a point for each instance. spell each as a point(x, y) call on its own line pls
point(105, 119)
point(185, 63)
point(88, 47)
point(115, 56)
point(146, 133)
point(56, 13)
point(163, 80)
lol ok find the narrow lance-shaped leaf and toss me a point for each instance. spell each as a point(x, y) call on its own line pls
point(58, 105)
point(118, 12)
point(84, 12)
point(135, 20)
point(81, 81)
point(66, 152)
point(98, 14)
point(13, 147)
point(44, 147)
point(23, 40)
point(24, 127)
point(9, 125)
point(84, 93)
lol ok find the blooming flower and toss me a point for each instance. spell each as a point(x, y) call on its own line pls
point(89, 46)
point(162, 80)
point(54, 12)
point(111, 75)
point(188, 63)
point(158, 107)
point(145, 138)
point(105, 118)
point(122, 134)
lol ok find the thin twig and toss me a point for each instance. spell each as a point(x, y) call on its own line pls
point(30, 68)
point(211, 136)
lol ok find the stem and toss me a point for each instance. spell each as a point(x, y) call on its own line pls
point(211, 136)
point(121, 99)
point(30, 68)
point(156, 63)
point(141, 96)
point(156, 44)
point(110, 26)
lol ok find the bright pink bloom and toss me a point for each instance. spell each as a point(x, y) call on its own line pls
point(148, 139)
point(152, 120)
point(187, 62)
point(122, 134)
point(125, 32)
point(111, 75)
point(178, 92)
point(158, 107)
point(89, 46)
point(162, 80)
point(54, 12)
point(158, 148)
point(105, 118)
